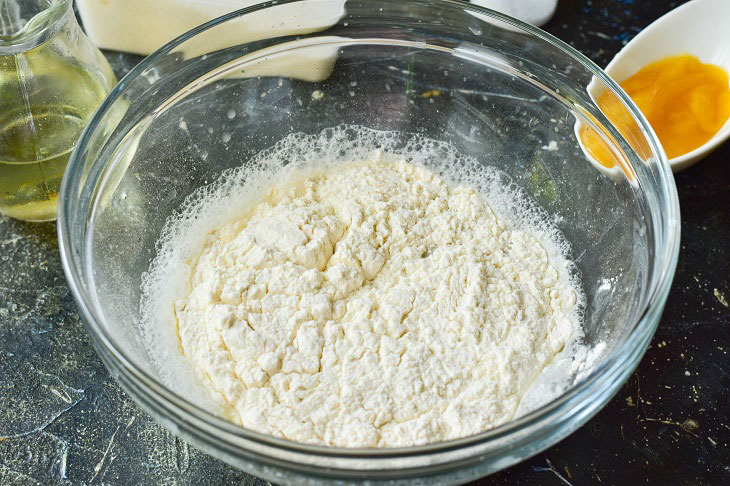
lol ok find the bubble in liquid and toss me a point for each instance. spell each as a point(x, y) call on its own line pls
point(231, 114)
point(226, 137)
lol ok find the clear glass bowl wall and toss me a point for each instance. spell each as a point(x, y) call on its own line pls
point(501, 91)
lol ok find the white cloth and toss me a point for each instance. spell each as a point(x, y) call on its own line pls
point(536, 12)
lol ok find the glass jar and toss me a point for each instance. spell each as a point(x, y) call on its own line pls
point(52, 79)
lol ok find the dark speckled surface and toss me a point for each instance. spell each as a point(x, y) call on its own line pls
point(64, 421)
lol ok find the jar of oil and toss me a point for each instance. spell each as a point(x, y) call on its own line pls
point(52, 79)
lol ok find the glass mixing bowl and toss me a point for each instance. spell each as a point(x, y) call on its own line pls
point(499, 90)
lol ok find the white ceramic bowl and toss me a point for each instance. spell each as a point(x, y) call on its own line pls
point(699, 28)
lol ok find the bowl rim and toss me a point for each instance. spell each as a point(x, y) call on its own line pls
point(617, 361)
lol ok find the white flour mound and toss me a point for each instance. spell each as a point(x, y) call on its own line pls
point(366, 303)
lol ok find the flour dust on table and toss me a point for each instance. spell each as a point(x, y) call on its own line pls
point(362, 289)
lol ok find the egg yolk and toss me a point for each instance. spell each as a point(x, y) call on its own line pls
point(685, 101)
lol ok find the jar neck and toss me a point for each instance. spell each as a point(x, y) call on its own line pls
point(25, 24)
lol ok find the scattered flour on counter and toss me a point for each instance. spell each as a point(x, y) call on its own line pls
point(363, 301)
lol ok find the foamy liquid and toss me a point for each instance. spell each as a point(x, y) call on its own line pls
point(232, 196)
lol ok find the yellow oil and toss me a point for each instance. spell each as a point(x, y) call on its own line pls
point(46, 101)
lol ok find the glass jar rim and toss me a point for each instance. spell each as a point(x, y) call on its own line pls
point(37, 30)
